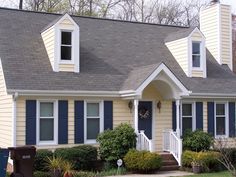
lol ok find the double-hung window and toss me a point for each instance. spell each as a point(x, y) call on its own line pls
point(221, 119)
point(66, 45)
point(47, 122)
point(93, 121)
point(196, 54)
point(187, 117)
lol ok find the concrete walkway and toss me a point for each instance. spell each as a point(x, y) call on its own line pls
point(160, 174)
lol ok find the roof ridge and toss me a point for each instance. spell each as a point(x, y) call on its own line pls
point(97, 18)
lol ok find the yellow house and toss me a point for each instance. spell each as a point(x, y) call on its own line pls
point(64, 79)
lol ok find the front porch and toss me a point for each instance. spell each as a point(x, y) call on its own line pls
point(156, 113)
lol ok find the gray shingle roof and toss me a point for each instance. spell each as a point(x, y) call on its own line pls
point(114, 54)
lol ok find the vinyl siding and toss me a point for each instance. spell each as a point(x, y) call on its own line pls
point(66, 23)
point(49, 42)
point(179, 50)
point(197, 73)
point(210, 29)
point(66, 67)
point(226, 39)
point(218, 32)
point(205, 116)
point(6, 113)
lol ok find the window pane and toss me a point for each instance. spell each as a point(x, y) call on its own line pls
point(93, 128)
point(186, 123)
point(46, 130)
point(196, 61)
point(66, 38)
point(187, 109)
point(65, 53)
point(196, 48)
point(220, 126)
point(220, 109)
point(93, 109)
point(46, 109)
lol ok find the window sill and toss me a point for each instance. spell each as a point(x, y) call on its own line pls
point(90, 142)
point(221, 136)
point(46, 143)
point(66, 62)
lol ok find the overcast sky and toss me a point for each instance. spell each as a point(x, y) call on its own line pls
point(14, 3)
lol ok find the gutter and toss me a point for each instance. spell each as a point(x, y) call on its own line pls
point(14, 98)
point(211, 95)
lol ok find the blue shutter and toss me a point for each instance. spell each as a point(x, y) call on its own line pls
point(108, 115)
point(30, 122)
point(199, 115)
point(231, 119)
point(62, 122)
point(173, 116)
point(210, 114)
point(79, 122)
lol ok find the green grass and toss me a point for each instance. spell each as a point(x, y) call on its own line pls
point(217, 174)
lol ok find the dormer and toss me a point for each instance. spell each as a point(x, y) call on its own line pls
point(188, 48)
point(61, 40)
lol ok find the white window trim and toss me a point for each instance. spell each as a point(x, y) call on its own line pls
point(226, 119)
point(101, 115)
point(55, 110)
point(193, 115)
point(201, 56)
point(72, 47)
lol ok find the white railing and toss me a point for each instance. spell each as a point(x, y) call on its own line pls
point(172, 144)
point(143, 143)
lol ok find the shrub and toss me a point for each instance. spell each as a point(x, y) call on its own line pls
point(41, 174)
point(142, 161)
point(197, 141)
point(40, 159)
point(114, 144)
point(82, 157)
point(84, 174)
point(208, 160)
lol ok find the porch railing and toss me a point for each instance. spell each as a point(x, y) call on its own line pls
point(143, 143)
point(172, 144)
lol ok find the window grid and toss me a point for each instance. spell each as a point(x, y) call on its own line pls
point(196, 55)
point(67, 46)
point(217, 116)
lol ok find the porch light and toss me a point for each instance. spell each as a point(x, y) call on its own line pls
point(130, 105)
point(159, 106)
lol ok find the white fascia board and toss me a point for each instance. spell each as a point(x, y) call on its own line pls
point(64, 93)
point(167, 71)
point(211, 95)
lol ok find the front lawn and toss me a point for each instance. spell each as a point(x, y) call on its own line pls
point(217, 174)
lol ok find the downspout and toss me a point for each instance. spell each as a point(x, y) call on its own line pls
point(14, 98)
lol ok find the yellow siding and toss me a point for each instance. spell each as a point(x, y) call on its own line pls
point(163, 121)
point(151, 93)
point(210, 30)
point(226, 40)
point(196, 36)
point(197, 73)
point(179, 50)
point(49, 42)
point(66, 23)
point(6, 108)
point(66, 67)
point(121, 113)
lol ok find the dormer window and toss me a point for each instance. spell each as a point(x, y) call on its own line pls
point(196, 54)
point(66, 45)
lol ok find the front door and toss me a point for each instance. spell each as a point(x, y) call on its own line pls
point(145, 117)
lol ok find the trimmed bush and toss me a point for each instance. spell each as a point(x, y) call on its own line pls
point(208, 160)
point(82, 157)
point(40, 158)
point(142, 161)
point(197, 141)
point(41, 174)
point(114, 144)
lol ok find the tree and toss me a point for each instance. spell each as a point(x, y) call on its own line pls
point(21, 4)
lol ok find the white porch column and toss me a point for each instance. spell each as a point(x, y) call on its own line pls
point(136, 115)
point(177, 118)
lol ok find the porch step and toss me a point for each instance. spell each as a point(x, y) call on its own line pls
point(168, 162)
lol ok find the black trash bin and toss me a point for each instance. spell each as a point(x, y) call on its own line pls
point(23, 160)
